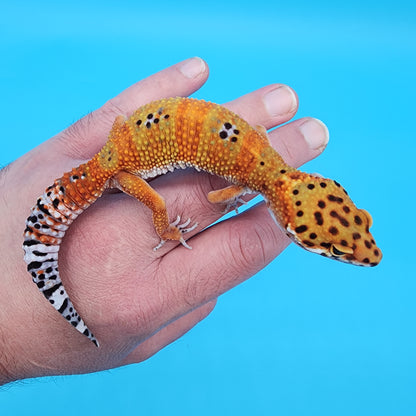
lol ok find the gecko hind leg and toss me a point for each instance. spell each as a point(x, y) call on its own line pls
point(135, 186)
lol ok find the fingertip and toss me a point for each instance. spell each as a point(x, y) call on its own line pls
point(280, 101)
point(193, 68)
point(315, 133)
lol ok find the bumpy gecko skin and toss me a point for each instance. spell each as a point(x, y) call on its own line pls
point(316, 213)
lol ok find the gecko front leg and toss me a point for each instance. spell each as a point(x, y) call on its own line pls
point(137, 187)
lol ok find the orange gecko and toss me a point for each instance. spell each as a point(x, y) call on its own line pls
point(316, 213)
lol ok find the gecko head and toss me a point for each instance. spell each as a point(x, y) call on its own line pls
point(318, 215)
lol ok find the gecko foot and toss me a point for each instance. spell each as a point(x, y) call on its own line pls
point(175, 232)
point(234, 205)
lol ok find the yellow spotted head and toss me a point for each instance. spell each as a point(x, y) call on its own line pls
point(319, 216)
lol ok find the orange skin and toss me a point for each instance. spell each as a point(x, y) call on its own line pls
point(316, 213)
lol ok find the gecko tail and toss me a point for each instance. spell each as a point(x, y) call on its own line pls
point(45, 275)
point(45, 227)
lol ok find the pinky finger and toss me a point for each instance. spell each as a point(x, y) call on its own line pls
point(169, 334)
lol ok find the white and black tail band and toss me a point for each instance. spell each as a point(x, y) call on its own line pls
point(45, 228)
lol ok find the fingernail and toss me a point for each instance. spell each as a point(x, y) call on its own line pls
point(192, 67)
point(315, 133)
point(280, 101)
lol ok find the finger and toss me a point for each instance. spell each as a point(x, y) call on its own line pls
point(222, 256)
point(300, 141)
point(169, 334)
point(269, 106)
point(181, 79)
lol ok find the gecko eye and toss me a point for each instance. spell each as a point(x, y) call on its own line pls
point(337, 250)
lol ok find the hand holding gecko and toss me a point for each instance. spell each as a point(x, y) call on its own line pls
point(137, 300)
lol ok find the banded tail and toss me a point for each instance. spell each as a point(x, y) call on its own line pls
point(46, 225)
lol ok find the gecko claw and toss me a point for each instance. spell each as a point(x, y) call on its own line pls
point(175, 232)
point(234, 205)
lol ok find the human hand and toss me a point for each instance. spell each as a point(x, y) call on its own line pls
point(135, 300)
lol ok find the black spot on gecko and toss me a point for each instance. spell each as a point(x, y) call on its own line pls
point(311, 186)
point(262, 163)
point(148, 124)
point(356, 236)
point(234, 139)
point(321, 204)
point(322, 185)
point(149, 116)
point(334, 198)
point(227, 125)
point(358, 220)
point(318, 218)
point(299, 214)
point(282, 171)
point(139, 122)
point(63, 306)
point(301, 229)
point(33, 218)
point(42, 208)
point(38, 253)
point(156, 120)
point(237, 132)
point(34, 265)
point(223, 134)
point(333, 230)
point(312, 236)
point(55, 202)
point(31, 243)
point(48, 270)
point(344, 221)
point(166, 116)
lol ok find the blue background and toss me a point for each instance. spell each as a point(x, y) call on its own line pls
point(306, 336)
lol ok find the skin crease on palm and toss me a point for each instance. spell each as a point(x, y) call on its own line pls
point(136, 300)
